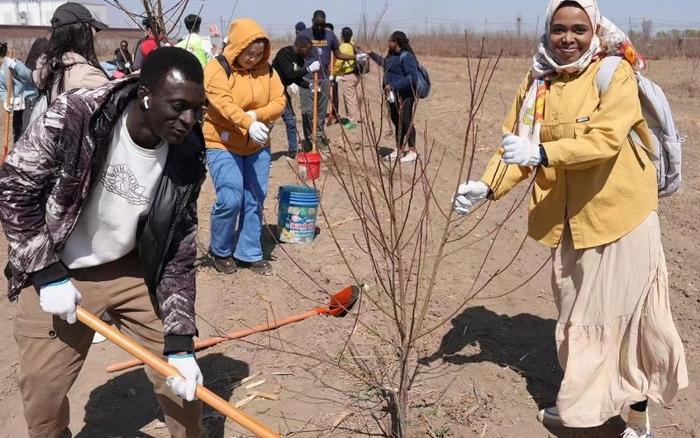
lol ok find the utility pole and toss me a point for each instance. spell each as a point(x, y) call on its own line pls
point(519, 26)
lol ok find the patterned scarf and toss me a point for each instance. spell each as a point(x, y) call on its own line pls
point(608, 40)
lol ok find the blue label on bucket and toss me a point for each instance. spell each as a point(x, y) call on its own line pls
point(297, 224)
point(296, 215)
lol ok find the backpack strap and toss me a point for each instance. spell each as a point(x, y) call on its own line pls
point(603, 79)
point(607, 71)
point(225, 65)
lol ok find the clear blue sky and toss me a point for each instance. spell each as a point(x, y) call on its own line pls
point(279, 16)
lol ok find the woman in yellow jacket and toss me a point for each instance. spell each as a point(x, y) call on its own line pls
point(594, 202)
point(243, 104)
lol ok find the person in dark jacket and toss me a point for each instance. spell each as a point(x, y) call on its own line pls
point(289, 64)
point(99, 209)
point(123, 58)
point(400, 79)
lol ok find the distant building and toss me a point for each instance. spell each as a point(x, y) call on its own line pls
point(39, 12)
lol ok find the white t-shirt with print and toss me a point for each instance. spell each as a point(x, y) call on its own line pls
point(106, 228)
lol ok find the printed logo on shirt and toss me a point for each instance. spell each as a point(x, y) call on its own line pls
point(120, 180)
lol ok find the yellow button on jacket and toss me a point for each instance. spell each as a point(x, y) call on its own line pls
point(599, 179)
point(258, 89)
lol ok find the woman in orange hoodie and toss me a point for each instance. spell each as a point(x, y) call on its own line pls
point(245, 97)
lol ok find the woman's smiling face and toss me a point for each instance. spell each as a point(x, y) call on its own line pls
point(570, 33)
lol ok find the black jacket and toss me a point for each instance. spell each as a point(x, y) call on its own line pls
point(290, 67)
point(46, 180)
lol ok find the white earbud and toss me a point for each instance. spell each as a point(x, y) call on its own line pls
point(145, 102)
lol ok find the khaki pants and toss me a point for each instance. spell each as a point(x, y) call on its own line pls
point(52, 352)
point(351, 98)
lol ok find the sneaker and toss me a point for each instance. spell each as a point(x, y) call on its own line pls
point(637, 432)
point(410, 157)
point(637, 425)
point(225, 265)
point(98, 338)
point(392, 156)
point(323, 145)
point(550, 417)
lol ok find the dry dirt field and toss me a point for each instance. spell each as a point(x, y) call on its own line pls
point(488, 371)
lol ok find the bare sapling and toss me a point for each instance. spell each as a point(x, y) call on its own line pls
point(407, 231)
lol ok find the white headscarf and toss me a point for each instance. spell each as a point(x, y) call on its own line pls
point(546, 62)
point(608, 39)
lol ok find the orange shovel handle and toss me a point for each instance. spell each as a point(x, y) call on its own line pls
point(210, 342)
point(7, 144)
point(162, 367)
point(314, 129)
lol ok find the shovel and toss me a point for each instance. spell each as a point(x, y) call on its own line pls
point(162, 367)
point(338, 306)
point(7, 129)
point(314, 129)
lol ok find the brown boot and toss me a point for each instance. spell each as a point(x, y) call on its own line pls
point(225, 265)
point(262, 267)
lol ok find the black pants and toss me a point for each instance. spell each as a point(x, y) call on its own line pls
point(402, 118)
point(20, 119)
point(17, 125)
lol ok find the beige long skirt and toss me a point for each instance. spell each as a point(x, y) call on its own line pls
point(616, 339)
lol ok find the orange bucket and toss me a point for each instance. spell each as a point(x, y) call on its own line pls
point(309, 165)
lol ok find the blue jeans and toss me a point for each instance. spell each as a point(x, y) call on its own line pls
point(290, 122)
point(236, 217)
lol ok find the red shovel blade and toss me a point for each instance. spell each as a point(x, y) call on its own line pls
point(341, 303)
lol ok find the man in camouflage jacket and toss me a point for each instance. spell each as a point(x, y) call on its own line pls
point(59, 173)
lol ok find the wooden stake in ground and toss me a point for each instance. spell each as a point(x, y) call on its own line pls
point(314, 129)
point(162, 367)
point(7, 145)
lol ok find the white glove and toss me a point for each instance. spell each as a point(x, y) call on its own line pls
point(127, 65)
point(11, 62)
point(60, 299)
point(184, 387)
point(331, 78)
point(259, 133)
point(469, 194)
point(361, 57)
point(520, 151)
point(252, 115)
point(293, 89)
point(314, 67)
